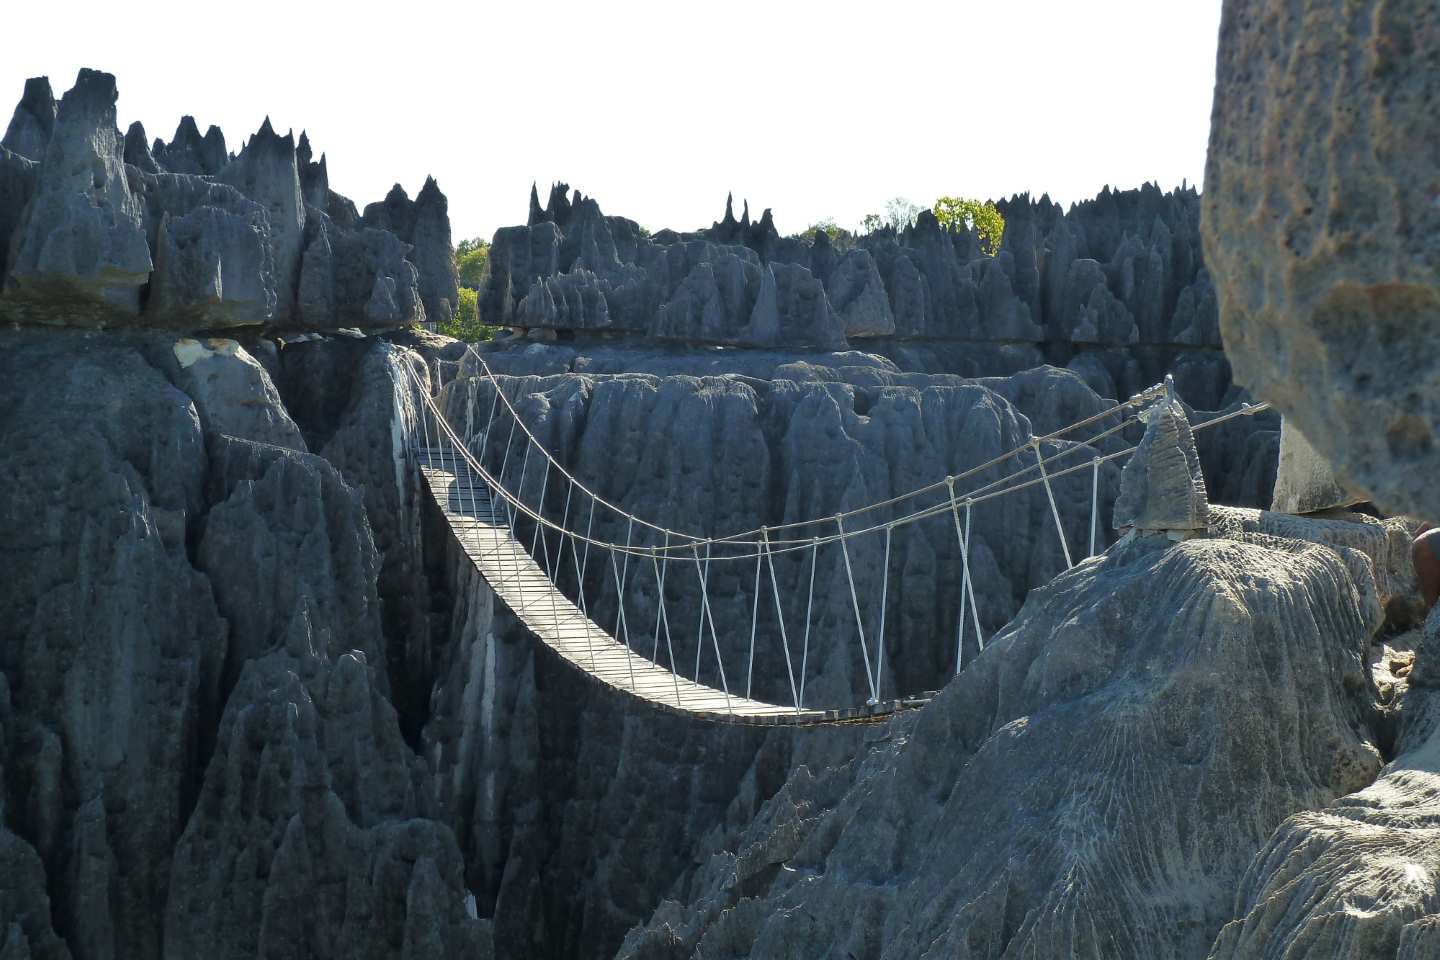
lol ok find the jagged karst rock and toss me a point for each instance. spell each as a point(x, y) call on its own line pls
point(115, 634)
point(1319, 222)
point(267, 172)
point(1136, 286)
point(286, 534)
point(33, 121)
point(214, 260)
point(358, 405)
point(80, 251)
point(314, 175)
point(356, 277)
point(210, 240)
point(1162, 488)
point(188, 152)
point(233, 393)
point(1023, 809)
point(313, 788)
point(424, 223)
point(136, 152)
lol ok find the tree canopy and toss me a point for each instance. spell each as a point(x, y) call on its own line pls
point(471, 256)
point(839, 236)
point(978, 215)
point(466, 325)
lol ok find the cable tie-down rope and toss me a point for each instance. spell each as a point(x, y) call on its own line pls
point(1054, 510)
point(780, 619)
point(855, 600)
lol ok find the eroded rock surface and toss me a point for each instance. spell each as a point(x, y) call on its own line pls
point(1321, 212)
point(93, 226)
point(1026, 814)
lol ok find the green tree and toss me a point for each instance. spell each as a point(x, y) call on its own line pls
point(977, 215)
point(471, 257)
point(466, 325)
point(839, 236)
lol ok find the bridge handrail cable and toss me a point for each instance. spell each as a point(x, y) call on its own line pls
point(761, 548)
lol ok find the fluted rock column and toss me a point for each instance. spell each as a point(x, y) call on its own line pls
point(1162, 489)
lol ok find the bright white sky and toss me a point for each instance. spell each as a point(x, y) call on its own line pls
point(657, 109)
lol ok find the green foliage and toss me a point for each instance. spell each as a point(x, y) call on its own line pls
point(466, 325)
point(839, 236)
point(982, 217)
point(471, 257)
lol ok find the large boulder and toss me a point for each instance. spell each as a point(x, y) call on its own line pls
point(80, 255)
point(1320, 218)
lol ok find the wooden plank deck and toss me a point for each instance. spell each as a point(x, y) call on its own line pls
point(520, 583)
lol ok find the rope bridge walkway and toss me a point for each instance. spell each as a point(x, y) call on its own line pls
point(484, 506)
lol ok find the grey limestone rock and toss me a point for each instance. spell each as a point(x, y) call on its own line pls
point(233, 393)
point(314, 175)
point(33, 121)
point(356, 277)
point(1304, 482)
point(1162, 488)
point(286, 535)
point(305, 840)
point(424, 223)
point(137, 150)
point(857, 294)
point(1354, 879)
point(190, 153)
point(18, 177)
point(80, 250)
point(791, 308)
point(267, 171)
point(116, 635)
point(1023, 814)
point(214, 260)
point(570, 301)
point(356, 403)
point(1320, 218)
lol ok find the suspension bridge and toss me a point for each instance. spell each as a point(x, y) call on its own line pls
point(486, 511)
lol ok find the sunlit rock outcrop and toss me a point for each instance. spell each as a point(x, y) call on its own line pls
point(1321, 213)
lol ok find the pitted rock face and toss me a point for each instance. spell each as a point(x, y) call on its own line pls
point(1304, 482)
point(1320, 216)
point(1163, 487)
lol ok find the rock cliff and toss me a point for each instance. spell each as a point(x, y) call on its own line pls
point(1321, 213)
